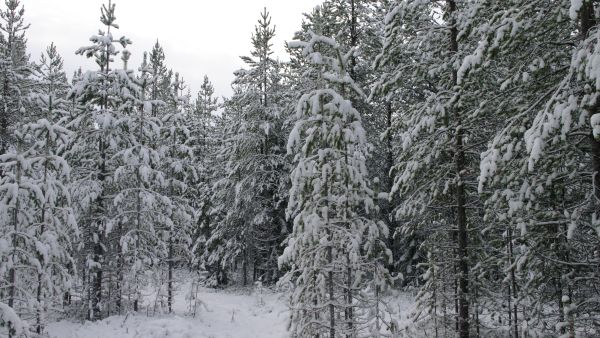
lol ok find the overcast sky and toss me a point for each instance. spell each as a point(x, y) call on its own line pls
point(199, 37)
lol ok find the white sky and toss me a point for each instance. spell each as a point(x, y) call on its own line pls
point(199, 36)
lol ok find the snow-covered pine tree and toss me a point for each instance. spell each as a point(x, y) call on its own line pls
point(100, 124)
point(14, 71)
point(358, 24)
point(251, 211)
point(539, 172)
point(55, 222)
point(205, 105)
point(225, 234)
point(441, 130)
point(336, 253)
point(36, 204)
point(203, 131)
point(50, 86)
point(19, 194)
point(38, 222)
point(179, 166)
point(140, 207)
point(159, 77)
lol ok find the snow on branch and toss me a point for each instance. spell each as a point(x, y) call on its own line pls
point(337, 72)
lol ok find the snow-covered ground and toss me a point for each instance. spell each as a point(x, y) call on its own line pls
point(236, 314)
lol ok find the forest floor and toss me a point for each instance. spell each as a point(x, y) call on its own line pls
point(240, 313)
point(230, 313)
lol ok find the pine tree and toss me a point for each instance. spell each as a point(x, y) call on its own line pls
point(40, 223)
point(14, 70)
point(336, 250)
point(56, 222)
point(181, 174)
point(225, 241)
point(100, 123)
point(38, 206)
point(205, 146)
point(140, 207)
point(440, 132)
point(254, 154)
point(159, 79)
point(19, 195)
point(535, 159)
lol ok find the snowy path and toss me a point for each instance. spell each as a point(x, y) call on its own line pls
point(226, 315)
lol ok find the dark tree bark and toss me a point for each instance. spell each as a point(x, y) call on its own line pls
point(460, 195)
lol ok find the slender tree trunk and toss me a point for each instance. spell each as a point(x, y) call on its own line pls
point(455, 272)
point(387, 209)
point(330, 286)
point(98, 238)
point(444, 310)
point(435, 301)
point(39, 328)
point(512, 290)
point(97, 286)
point(120, 267)
point(245, 267)
point(587, 21)
point(329, 253)
point(12, 272)
point(171, 244)
point(563, 255)
point(170, 282)
point(350, 312)
point(461, 215)
point(353, 37)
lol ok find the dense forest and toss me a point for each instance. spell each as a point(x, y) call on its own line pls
point(446, 148)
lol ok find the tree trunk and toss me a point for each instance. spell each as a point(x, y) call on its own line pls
point(330, 287)
point(386, 211)
point(349, 310)
point(39, 328)
point(12, 272)
point(98, 254)
point(245, 268)
point(461, 215)
point(512, 289)
point(119, 268)
point(587, 21)
point(353, 37)
point(170, 281)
